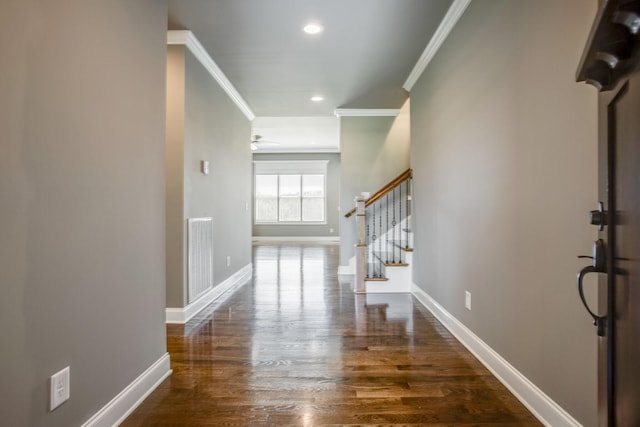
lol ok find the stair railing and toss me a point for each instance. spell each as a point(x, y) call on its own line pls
point(382, 221)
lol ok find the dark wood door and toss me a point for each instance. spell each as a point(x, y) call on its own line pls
point(611, 62)
point(619, 353)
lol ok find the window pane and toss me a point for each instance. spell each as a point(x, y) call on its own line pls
point(312, 185)
point(289, 198)
point(266, 200)
point(289, 209)
point(266, 209)
point(267, 185)
point(313, 209)
point(289, 185)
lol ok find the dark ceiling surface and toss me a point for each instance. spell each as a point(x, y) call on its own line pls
point(360, 60)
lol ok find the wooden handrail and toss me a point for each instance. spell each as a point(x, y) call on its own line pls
point(384, 190)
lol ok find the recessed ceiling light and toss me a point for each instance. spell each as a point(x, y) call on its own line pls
point(317, 98)
point(313, 28)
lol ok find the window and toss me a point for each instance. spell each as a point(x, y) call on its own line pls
point(266, 200)
point(287, 192)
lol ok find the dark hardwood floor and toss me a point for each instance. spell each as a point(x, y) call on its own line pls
point(295, 347)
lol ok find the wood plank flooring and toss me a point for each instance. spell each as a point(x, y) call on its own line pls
point(295, 347)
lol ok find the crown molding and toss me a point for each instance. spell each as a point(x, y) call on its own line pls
point(188, 39)
point(448, 22)
point(366, 112)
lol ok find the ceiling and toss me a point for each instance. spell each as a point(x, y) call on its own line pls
point(299, 134)
point(361, 59)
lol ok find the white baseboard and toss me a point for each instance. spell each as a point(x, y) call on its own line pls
point(542, 406)
point(266, 239)
point(385, 287)
point(183, 315)
point(344, 270)
point(121, 406)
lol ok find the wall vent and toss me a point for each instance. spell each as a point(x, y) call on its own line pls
point(200, 257)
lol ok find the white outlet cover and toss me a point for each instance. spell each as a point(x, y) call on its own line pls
point(59, 388)
point(467, 300)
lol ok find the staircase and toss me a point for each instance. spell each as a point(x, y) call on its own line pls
point(384, 252)
point(390, 271)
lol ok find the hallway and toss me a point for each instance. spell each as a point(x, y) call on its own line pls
point(297, 347)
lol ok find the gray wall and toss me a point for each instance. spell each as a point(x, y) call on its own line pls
point(332, 198)
point(374, 150)
point(214, 129)
point(504, 158)
point(174, 177)
point(82, 258)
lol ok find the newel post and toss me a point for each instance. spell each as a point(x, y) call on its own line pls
point(361, 246)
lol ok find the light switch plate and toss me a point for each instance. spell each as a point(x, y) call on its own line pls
point(204, 167)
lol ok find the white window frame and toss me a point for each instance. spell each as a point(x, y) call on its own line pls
point(286, 167)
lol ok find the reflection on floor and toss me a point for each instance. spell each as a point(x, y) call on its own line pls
point(296, 347)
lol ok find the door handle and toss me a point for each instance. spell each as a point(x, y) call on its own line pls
point(598, 266)
point(600, 322)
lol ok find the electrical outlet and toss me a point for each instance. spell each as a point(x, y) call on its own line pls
point(331, 230)
point(228, 261)
point(59, 388)
point(467, 300)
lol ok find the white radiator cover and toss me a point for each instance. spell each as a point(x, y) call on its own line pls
point(200, 257)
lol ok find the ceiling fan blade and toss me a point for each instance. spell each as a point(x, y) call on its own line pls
point(259, 142)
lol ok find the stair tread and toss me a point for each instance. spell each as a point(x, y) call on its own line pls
point(376, 279)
